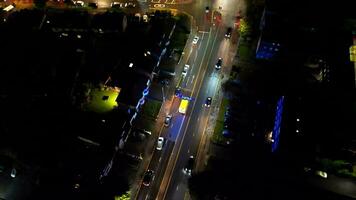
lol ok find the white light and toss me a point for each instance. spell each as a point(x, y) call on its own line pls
point(297, 131)
point(131, 64)
point(47, 21)
point(148, 52)
point(144, 54)
point(79, 36)
point(298, 119)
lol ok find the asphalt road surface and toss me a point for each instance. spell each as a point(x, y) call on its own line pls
point(183, 136)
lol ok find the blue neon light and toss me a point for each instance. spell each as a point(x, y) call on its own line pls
point(277, 124)
point(145, 92)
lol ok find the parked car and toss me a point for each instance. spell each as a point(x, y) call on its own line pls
point(195, 40)
point(160, 142)
point(185, 70)
point(148, 177)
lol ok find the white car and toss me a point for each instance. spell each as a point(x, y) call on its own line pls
point(130, 5)
point(321, 174)
point(13, 173)
point(117, 4)
point(160, 142)
point(79, 3)
point(159, 5)
point(145, 18)
point(185, 70)
point(195, 40)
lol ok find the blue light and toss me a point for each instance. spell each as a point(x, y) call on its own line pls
point(277, 124)
point(145, 92)
point(141, 102)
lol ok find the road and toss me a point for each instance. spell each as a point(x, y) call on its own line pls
point(184, 136)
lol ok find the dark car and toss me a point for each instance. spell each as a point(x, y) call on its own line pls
point(189, 167)
point(218, 64)
point(178, 92)
point(167, 120)
point(208, 102)
point(147, 178)
point(207, 9)
point(228, 32)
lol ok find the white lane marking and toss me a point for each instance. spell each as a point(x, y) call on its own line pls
point(177, 188)
point(146, 197)
point(193, 134)
point(160, 158)
point(192, 79)
point(188, 150)
point(202, 38)
point(195, 58)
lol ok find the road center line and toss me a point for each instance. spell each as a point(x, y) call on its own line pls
point(185, 131)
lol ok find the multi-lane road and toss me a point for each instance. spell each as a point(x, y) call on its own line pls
point(184, 136)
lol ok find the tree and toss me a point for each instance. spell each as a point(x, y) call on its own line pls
point(125, 196)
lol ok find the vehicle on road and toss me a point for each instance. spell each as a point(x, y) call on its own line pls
point(167, 120)
point(159, 5)
point(160, 142)
point(189, 167)
point(13, 173)
point(117, 4)
point(148, 177)
point(207, 10)
point(185, 70)
point(178, 92)
point(321, 174)
point(130, 5)
point(183, 106)
point(218, 64)
point(195, 40)
point(228, 32)
point(79, 3)
point(208, 102)
point(145, 18)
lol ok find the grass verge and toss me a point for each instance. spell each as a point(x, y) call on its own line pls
point(217, 137)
